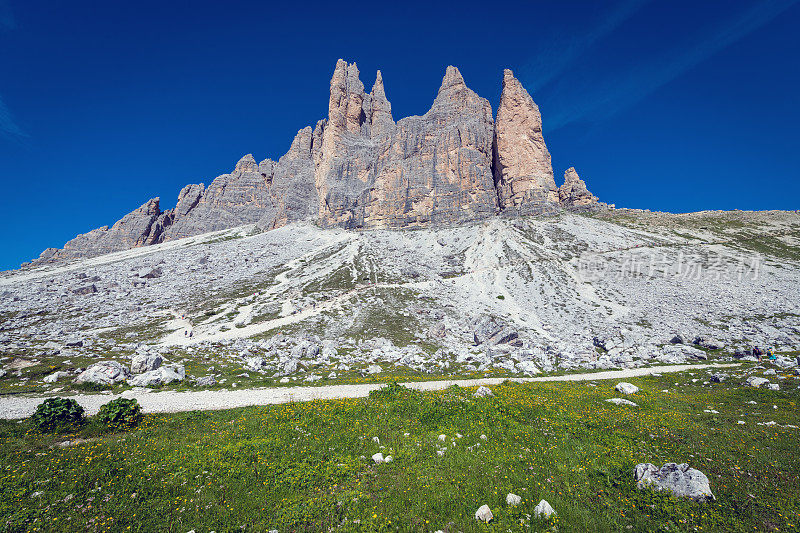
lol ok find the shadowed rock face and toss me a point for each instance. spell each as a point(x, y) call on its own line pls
point(359, 169)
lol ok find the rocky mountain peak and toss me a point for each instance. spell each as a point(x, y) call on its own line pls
point(523, 171)
point(246, 164)
point(380, 111)
point(345, 106)
point(452, 80)
point(359, 168)
point(573, 193)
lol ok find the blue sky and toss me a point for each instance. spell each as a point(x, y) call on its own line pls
point(664, 105)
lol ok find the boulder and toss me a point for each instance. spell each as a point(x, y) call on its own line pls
point(144, 362)
point(150, 273)
point(543, 510)
point(679, 338)
point(103, 373)
point(773, 386)
point(55, 376)
point(622, 401)
point(709, 343)
point(483, 392)
point(680, 479)
point(718, 378)
point(161, 376)
point(528, 367)
point(756, 382)
point(206, 381)
point(626, 388)
point(378, 458)
point(513, 500)
point(87, 289)
point(492, 331)
point(257, 364)
point(484, 514)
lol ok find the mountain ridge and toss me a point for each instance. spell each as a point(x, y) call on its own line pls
point(358, 168)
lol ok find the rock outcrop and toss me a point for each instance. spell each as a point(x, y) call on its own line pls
point(358, 168)
point(523, 172)
point(573, 193)
point(140, 227)
point(436, 168)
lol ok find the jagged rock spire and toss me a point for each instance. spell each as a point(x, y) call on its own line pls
point(380, 113)
point(573, 193)
point(523, 171)
point(358, 168)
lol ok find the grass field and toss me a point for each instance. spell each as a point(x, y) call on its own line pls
point(307, 467)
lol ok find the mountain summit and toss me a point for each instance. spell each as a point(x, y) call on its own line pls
point(358, 168)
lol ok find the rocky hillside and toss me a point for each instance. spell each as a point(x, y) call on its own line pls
point(504, 296)
point(358, 168)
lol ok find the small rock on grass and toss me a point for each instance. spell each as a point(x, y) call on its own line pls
point(483, 392)
point(378, 458)
point(513, 500)
point(543, 510)
point(484, 514)
point(622, 401)
point(626, 388)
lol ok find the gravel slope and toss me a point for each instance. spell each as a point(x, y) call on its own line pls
point(171, 402)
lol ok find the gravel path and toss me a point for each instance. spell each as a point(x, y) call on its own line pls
point(15, 407)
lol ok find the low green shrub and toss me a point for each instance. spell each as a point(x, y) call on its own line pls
point(57, 413)
point(120, 413)
point(390, 392)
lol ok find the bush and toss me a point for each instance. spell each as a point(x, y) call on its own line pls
point(392, 391)
point(120, 413)
point(57, 413)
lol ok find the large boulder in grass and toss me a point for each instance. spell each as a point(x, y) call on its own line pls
point(626, 388)
point(756, 382)
point(680, 479)
point(143, 362)
point(543, 510)
point(104, 373)
point(161, 376)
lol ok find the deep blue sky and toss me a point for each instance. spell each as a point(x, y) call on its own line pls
point(669, 105)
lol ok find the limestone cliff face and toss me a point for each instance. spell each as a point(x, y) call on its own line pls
point(240, 197)
point(292, 188)
point(573, 193)
point(358, 168)
point(140, 227)
point(433, 168)
point(523, 172)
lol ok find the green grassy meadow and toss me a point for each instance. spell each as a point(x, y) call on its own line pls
point(307, 466)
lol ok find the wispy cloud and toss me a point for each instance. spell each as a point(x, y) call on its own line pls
point(609, 97)
point(557, 54)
